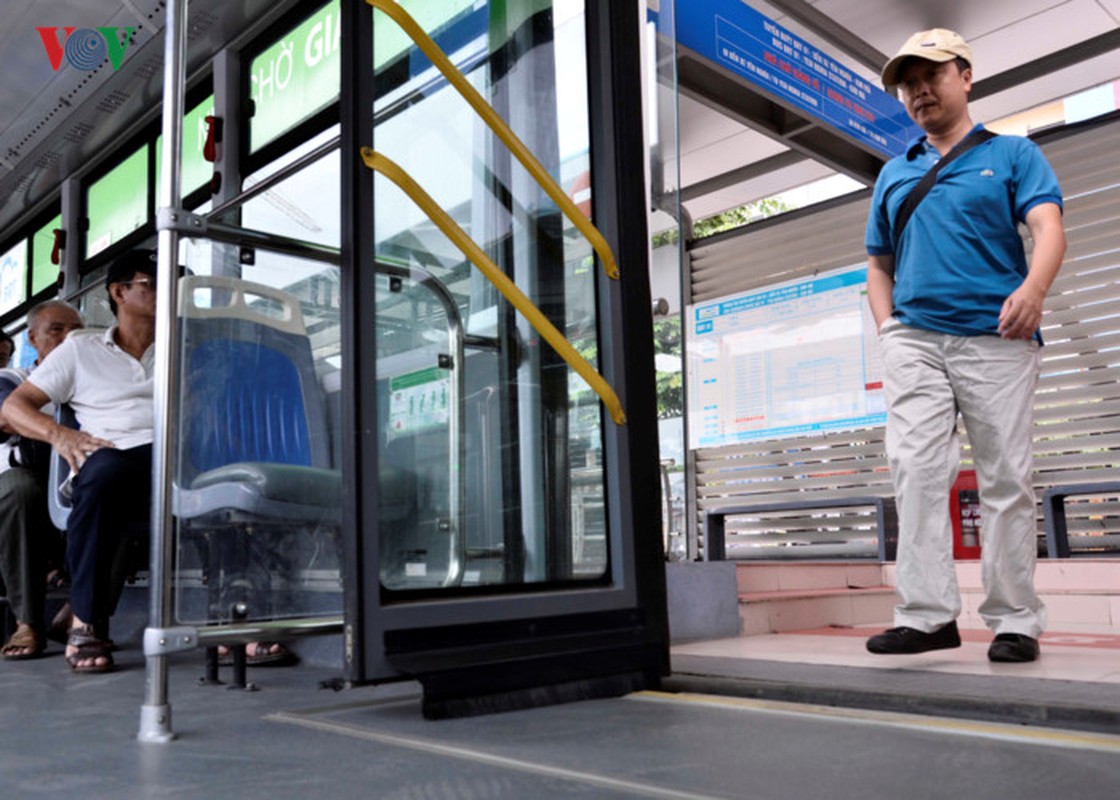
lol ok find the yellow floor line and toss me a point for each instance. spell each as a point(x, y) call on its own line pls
point(1046, 737)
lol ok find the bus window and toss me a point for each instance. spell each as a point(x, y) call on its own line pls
point(118, 202)
point(44, 274)
point(296, 77)
point(196, 169)
point(13, 277)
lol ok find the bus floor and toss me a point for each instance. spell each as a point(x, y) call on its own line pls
point(1075, 683)
point(70, 736)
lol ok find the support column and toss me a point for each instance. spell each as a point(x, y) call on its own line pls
point(155, 714)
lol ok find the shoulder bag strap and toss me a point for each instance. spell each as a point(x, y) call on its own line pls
point(919, 192)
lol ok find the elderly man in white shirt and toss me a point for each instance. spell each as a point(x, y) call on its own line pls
point(107, 379)
point(28, 541)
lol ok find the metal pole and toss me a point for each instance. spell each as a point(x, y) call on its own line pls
point(155, 714)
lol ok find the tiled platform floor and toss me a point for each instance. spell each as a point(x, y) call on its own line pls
point(819, 655)
point(1072, 685)
point(1080, 655)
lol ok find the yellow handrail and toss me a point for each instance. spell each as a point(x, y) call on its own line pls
point(499, 127)
point(391, 170)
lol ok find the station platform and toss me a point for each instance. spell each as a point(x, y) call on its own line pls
point(803, 628)
point(1074, 684)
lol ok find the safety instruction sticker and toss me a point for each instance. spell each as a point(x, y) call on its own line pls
point(419, 401)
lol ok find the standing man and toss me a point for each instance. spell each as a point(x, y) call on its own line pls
point(958, 311)
point(107, 380)
point(28, 541)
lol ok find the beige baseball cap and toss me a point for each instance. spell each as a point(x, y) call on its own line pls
point(938, 45)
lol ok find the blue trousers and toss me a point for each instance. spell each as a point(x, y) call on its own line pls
point(112, 498)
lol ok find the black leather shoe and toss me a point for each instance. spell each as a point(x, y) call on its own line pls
point(911, 640)
point(1013, 648)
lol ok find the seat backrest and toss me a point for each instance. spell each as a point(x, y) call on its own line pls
point(249, 389)
point(58, 498)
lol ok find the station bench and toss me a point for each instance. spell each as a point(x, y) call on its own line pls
point(1054, 512)
point(886, 519)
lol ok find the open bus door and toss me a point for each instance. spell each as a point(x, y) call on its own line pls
point(501, 524)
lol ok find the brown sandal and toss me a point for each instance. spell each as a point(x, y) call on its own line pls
point(262, 656)
point(59, 629)
point(89, 648)
point(26, 643)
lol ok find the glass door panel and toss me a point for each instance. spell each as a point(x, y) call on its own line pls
point(419, 336)
point(516, 495)
point(257, 485)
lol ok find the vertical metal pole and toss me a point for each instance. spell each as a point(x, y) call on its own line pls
point(155, 714)
point(72, 213)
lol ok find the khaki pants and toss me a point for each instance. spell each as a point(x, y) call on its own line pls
point(28, 542)
point(991, 382)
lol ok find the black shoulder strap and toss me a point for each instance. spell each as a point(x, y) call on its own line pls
point(919, 192)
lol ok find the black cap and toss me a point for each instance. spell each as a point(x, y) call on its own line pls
point(128, 264)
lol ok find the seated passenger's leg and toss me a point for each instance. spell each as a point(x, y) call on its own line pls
point(25, 537)
point(112, 496)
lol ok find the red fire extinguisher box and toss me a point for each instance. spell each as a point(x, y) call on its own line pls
point(964, 511)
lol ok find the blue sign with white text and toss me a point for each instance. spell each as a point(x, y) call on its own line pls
point(746, 42)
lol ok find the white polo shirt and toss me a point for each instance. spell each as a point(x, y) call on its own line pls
point(109, 390)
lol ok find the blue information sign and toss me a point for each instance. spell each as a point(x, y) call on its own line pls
point(741, 39)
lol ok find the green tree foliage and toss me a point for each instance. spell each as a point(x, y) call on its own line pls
point(737, 217)
point(727, 220)
point(670, 383)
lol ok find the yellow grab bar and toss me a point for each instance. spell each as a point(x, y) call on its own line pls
point(503, 131)
point(508, 288)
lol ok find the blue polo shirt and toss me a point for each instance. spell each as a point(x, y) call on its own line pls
point(961, 254)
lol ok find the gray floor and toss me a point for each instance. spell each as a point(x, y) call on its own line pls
point(64, 735)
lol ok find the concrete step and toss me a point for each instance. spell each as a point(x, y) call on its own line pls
point(1079, 576)
point(1081, 595)
point(789, 596)
point(777, 612)
point(771, 576)
point(1089, 610)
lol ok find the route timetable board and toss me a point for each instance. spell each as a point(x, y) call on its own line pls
point(795, 359)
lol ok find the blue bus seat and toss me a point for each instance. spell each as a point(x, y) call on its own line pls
point(252, 485)
point(253, 435)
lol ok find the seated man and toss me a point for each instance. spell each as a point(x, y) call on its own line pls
point(28, 541)
point(7, 348)
point(107, 380)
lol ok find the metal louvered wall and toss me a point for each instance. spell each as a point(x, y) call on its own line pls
point(1077, 425)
